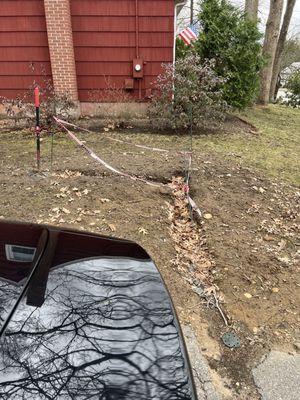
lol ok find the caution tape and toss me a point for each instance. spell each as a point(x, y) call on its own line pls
point(156, 149)
point(93, 155)
point(100, 160)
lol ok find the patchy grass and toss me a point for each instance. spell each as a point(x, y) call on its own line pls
point(275, 150)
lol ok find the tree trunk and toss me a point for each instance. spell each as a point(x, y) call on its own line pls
point(269, 49)
point(280, 46)
point(251, 9)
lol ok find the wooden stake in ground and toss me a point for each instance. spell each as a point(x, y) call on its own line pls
point(269, 49)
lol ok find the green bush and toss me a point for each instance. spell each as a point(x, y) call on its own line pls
point(182, 49)
point(293, 86)
point(187, 95)
point(233, 41)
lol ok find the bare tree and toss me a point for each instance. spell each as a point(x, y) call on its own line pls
point(251, 9)
point(280, 47)
point(269, 48)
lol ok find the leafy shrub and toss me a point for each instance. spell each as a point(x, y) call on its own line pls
point(22, 108)
point(182, 49)
point(233, 41)
point(293, 86)
point(187, 94)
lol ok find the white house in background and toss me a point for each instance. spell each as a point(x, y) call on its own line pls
point(282, 92)
point(288, 71)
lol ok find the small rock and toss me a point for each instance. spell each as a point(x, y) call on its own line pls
point(255, 330)
point(285, 260)
point(275, 290)
point(207, 216)
point(248, 295)
point(268, 238)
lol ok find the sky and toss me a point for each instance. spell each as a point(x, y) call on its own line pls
point(263, 14)
point(264, 10)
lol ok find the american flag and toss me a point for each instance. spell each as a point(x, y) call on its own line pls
point(189, 34)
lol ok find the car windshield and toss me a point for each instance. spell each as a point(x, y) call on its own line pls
point(106, 329)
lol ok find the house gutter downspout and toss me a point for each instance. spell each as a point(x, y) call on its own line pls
point(137, 50)
point(177, 5)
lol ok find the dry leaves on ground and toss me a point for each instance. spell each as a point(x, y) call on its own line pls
point(192, 260)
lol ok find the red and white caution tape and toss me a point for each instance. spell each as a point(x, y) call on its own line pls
point(100, 161)
point(140, 146)
point(62, 124)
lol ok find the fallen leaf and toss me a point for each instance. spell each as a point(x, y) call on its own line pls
point(112, 227)
point(268, 238)
point(248, 295)
point(143, 231)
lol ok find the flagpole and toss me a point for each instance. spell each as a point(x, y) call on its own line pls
point(192, 12)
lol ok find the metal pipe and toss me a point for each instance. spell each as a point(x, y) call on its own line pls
point(182, 3)
point(137, 28)
point(37, 125)
point(137, 50)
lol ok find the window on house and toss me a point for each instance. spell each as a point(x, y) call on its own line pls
point(19, 253)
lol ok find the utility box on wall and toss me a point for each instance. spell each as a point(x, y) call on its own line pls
point(138, 68)
point(112, 38)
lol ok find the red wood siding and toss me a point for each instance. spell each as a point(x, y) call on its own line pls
point(24, 53)
point(105, 43)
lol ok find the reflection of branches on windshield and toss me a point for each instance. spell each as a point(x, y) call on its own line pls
point(102, 333)
point(8, 294)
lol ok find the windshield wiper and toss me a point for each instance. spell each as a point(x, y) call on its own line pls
point(38, 284)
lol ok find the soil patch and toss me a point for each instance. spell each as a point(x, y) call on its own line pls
point(252, 237)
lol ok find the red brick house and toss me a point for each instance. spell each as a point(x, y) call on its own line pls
point(90, 49)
